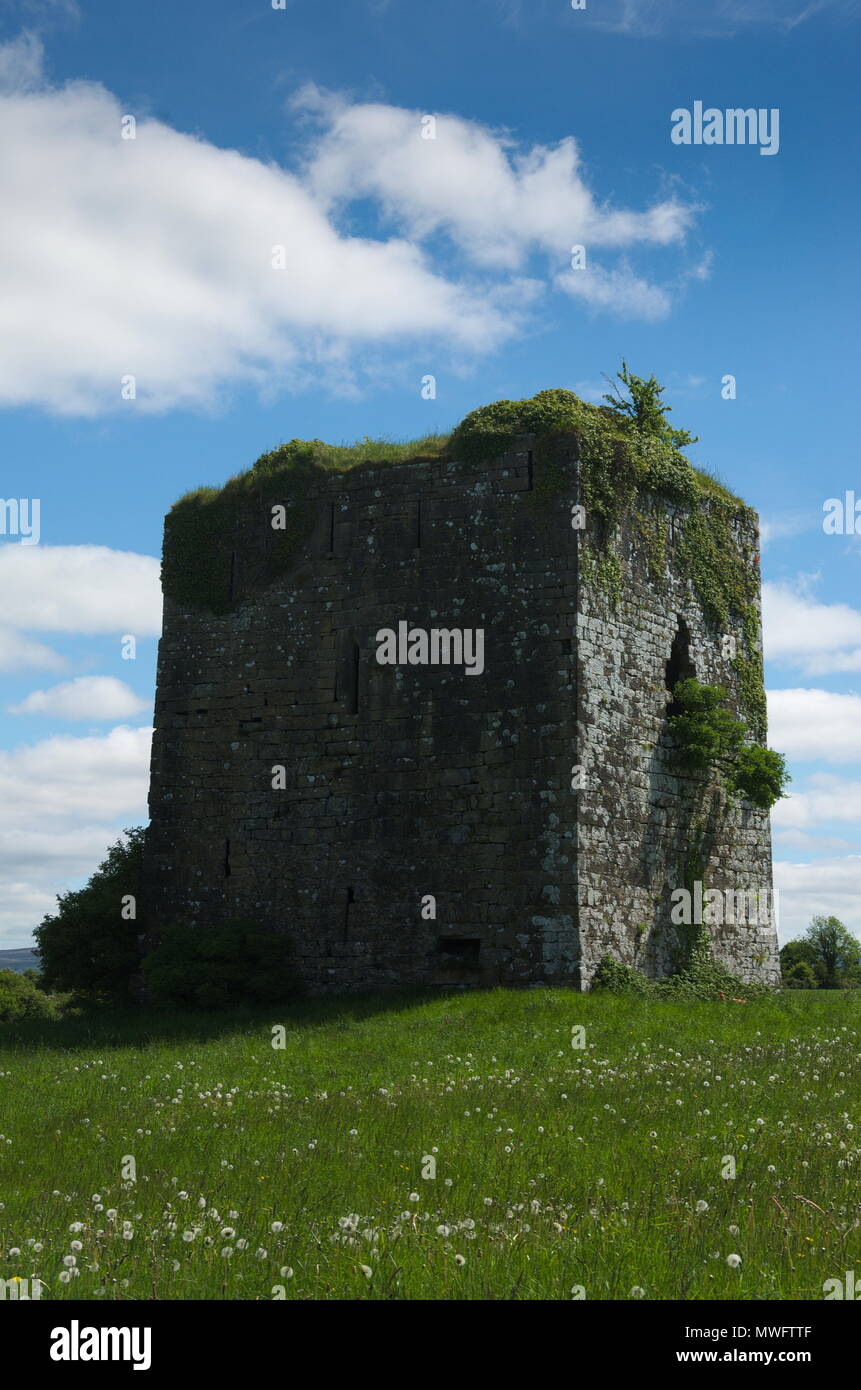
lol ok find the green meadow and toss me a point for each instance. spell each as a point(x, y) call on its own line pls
point(455, 1147)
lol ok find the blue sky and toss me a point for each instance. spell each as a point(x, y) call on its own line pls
point(302, 127)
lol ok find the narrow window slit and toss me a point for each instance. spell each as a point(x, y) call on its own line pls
point(347, 676)
point(351, 898)
point(354, 679)
point(227, 869)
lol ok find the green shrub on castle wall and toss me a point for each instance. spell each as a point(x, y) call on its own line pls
point(617, 978)
point(620, 459)
point(701, 978)
point(708, 738)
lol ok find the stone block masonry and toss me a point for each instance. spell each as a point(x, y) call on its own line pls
point(408, 824)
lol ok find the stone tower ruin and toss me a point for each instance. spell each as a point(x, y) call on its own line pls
point(416, 821)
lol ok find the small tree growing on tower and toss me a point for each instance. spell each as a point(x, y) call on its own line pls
point(643, 407)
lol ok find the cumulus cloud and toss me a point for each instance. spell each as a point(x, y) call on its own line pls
point(828, 886)
point(813, 842)
point(80, 588)
point(620, 291)
point(85, 697)
point(97, 776)
point(498, 203)
point(21, 64)
point(20, 653)
point(811, 724)
point(826, 798)
point(153, 257)
point(63, 801)
point(814, 637)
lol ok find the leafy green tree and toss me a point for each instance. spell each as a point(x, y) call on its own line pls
point(642, 406)
point(710, 738)
point(89, 947)
point(219, 967)
point(795, 955)
point(801, 976)
point(20, 998)
point(837, 951)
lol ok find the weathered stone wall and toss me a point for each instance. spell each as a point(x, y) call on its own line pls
point(644, 829)
point(420, 779)
point(408, 781)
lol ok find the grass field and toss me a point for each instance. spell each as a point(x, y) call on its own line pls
point(298, 1172)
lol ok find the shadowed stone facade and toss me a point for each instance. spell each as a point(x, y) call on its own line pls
point(404, 782)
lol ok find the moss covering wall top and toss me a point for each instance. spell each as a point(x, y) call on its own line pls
point(201, 528)
point(620, 463)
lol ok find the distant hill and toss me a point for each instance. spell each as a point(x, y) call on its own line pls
point(22, 960)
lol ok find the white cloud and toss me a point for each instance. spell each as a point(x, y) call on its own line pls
point(810, 724)
point(828, 886)
point(153, 256)
point(498, 203)
point(620, 291)
point(785, 525)
point(710, 18)
point(85, 697)
point(63, 801)
point(81, 588)
point(19, 653)
point(807, 842)
point(21, 64)
point(826, 798)
point(64, 777)
point(814, 637)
